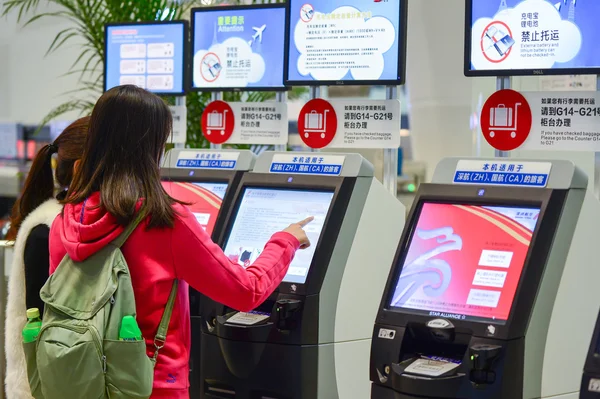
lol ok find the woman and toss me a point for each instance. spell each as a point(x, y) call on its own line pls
point(32, 216)
point(119, 171)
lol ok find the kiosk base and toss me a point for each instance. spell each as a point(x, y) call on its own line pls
point(244, 370)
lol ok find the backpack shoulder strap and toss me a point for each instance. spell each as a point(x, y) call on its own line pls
point(161, 335)
point(120, 240)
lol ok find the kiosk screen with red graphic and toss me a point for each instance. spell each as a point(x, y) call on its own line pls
point(263, 212)
point(464, 262)
point(205, 199)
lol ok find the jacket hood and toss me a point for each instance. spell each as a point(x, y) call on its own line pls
point(87, 228)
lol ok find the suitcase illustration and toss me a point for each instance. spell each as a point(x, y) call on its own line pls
point(215, 119)
point(313, 120)
point(501, 116)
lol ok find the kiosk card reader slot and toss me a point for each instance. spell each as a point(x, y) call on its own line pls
point(468, 301)
point(207, 181)
point(311, 338)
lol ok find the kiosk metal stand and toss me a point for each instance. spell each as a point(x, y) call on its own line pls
point(281, 97)
point(180, 101)
point(503, 83)
point(390, 155)
point(314, 92)
point(216, 96)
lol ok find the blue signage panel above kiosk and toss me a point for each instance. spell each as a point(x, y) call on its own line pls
point(207, 181)
point(304, 341)
point(531, 37)
point(467, 307)
point(353, 42)
point(238, 48)
point(150, 55)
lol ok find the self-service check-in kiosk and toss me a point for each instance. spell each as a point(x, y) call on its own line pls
point(590, 383)
point(311, 338)
point(467, 306)
point(206, 180)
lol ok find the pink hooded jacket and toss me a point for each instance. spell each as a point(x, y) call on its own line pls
point(158, 256)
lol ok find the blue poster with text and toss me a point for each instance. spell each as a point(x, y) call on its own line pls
point(344, 40)
point(149, 56)
point(238, 48)
point(534, 34)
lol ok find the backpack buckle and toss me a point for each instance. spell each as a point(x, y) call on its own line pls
point(159, 343)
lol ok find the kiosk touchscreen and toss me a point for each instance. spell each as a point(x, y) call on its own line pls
point(207, 181)
point(311, 337)
point(467, 306)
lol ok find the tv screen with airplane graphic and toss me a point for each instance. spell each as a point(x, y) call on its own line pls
point(238, 47)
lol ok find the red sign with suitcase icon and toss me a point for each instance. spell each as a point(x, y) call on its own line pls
point(506, 120)
point(317, 123)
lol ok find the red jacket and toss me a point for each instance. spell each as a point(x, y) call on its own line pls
point(155, 258)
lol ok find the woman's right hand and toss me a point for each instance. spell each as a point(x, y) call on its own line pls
point(297, 230)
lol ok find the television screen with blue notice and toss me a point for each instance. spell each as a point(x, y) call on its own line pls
point(238, 47)
point(148, 55)
point(532, 37)
point(352, 42)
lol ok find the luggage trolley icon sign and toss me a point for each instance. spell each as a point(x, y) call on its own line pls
point(218, 122)
point(317, 123)
point(506, 120)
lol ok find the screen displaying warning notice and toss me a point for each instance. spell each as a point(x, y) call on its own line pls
point(148, 56)
point(534, 34)
point(464, 262)
point(344, 40)
point(238, 47)
point(263, 212)
point(204, 200)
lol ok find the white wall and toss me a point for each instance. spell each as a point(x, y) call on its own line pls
point(31, 84)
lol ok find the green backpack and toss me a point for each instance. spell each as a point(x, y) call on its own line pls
point(78, 353)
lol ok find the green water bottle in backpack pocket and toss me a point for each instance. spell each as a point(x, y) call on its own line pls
point(79, 353)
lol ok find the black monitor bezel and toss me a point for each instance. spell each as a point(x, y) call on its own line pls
point(468, 72)
point(232, 179)
point(342, 190)
point(550, 203)
point(185, 49)
point(190, 79)
point(402, 45)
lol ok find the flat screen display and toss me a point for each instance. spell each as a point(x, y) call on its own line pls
point(205, 199)
point(263, 212)
point(238, 47)
point(465, 261)
point(518, 37)
point(345, 40)
point(150, 56)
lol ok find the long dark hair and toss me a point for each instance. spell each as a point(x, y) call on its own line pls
point(128, 131)
point(39, 185)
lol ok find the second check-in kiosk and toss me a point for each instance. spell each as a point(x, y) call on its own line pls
point(467, 307)
point(311, 338)
point(207, 181)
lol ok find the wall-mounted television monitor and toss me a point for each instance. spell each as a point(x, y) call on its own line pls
point(262, 212)
point(531, 37)
point(464, 261)
point(150, 55)
point(333, 42)
point(204, 199)
point(238, 48)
